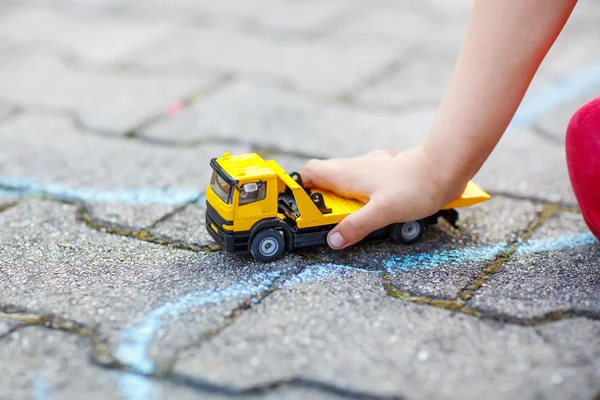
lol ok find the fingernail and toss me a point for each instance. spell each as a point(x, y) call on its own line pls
point(336, 240)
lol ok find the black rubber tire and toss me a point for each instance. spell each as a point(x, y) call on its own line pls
point(409, 232)
point(267, 245)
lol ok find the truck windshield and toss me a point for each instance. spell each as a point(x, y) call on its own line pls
point(220, 187)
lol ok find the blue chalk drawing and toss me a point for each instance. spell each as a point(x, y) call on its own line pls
point(445, 257)
point(563, 242)
point(136, 340)
point(578, 84)
point(17, 187)
point(8, 194)
point(320, 272)
point(42, 389)
point(137, 387)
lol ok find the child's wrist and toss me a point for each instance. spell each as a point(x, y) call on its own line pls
point(448, 184)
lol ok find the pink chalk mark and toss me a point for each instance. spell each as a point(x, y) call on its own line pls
point(175, 108)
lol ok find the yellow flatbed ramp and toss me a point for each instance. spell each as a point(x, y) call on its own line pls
point(473, 194)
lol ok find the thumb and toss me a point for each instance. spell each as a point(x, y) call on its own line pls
point(357, 225)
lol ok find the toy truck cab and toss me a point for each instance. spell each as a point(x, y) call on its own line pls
point(254, 205)
point(241, 192)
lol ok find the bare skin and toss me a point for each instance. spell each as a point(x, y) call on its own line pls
point(505, 44)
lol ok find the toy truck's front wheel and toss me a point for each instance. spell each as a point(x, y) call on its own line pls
point(409, 232)
point(267, 245)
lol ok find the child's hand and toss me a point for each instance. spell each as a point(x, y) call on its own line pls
point(397, 187)
point(505, 44)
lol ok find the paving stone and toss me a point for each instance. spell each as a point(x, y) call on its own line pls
point(6, 325)
point(5, 110)
point(446, 259)
point(37, 363)
point(326, 67)
point(298, 393)
point(128, 216)
point(187, 226)
point(397, 348)
point(422, 79)
point(7, 199)
point(265, 16)
point(227, 284)
point(527, 164)
point(270, 117)
point(396, 24)
point(132, 385)
point(553, 124)
point(580, 340)
point(271, 16)
point(54, 264)
point(94, 37)
point(268, 16)
point(423, 73)
point(413, 25)
point(445, 10)
point(7, 47)
point(6, 6)
point(127, 182)
point(106, 101)
point(557, 275)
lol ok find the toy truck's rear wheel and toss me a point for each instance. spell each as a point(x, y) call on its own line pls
point(408, 232)
point(267, 245)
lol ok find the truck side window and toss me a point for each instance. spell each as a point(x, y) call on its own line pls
point(251, 197)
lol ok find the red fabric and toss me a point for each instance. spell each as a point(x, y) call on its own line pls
point(583, 161)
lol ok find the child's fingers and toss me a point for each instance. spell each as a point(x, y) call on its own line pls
point(345, 176)
point(321, 173)
point(357, 225)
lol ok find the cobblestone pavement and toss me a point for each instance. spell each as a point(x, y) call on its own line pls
point(110, 287)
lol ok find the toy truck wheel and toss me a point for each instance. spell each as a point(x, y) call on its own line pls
point(267, 245)
point(408, 232)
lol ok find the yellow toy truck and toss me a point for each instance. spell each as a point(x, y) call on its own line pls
point(254, 205)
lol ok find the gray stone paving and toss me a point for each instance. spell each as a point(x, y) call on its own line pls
point(436, 267)
point(6, 326)
point(306, 65)
point(252, 113)
point(130, 98)
point(111, 288)
point(552, 125)
point(48, 148)
point(5, 110)
point(187, 226)
point(74, 35)
point(421, 82)
point(51, 365)
point(537, 281)
point(65, 268)
point(528, 173)
point(348, 331)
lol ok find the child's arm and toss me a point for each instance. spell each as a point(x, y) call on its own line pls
point(506, 42)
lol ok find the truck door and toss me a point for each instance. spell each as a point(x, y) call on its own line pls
point(253, 204)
